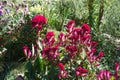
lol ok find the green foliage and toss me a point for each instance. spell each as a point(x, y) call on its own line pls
point(111, 19)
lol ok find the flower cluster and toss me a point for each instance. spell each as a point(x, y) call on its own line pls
point(70, 50)
point(50, 52)
point(62, 72)
point(81, 71)
point(77, 40)
point(30, 53)
point(38, 21)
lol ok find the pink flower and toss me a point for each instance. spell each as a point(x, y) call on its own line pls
point(61, 66)
point(72, 50)
point(62, 73)
point(77, 31)
point(74, 36)
point(61, 38)
point(93, 58)
point(93, 44)
point(39, 28)
point(104, 75)
point(100, 55)
point(85, 39)
point(50, 52)
point(81, 71)
point(86, 28)
point(116, 71)
point(38, 21)
point(70, 25)
point(25, 49)
point(49, 35)
point(49, 38)
point(27, 52)
point(54, 52)
point(91, 52)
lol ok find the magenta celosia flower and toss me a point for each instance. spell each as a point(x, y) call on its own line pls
point(61, 38)
point(45, 52)
point(62, 73)
point(72, 50)
point(61, 66)
point(86, 28)
point(49, 38)
point(116, 66)
point(70, 25)
point(39, 28)
point(94, 58)
point(90, 55)
point(77, 31)
point(54, 52)
point(27, 52)
point(38, 21)
point(116, 75)
point(81, 71)
point(85, 39)
point(49, 35)
point(74, 36)
point(104, 75)
point(25, 49)
point(91, 52)
point(100, 55)
point(50, 52)
point(93, 44)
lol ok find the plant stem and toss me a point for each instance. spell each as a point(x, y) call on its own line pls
point(101, 11)
point(91, 11)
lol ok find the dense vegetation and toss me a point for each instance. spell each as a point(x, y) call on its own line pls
point(26, 24)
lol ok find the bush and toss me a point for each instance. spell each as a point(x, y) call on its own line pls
point(69, 56)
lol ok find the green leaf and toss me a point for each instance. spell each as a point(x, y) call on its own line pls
point(31, 72)
point(83, 54)
point(39, 64)
point(29, 66)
